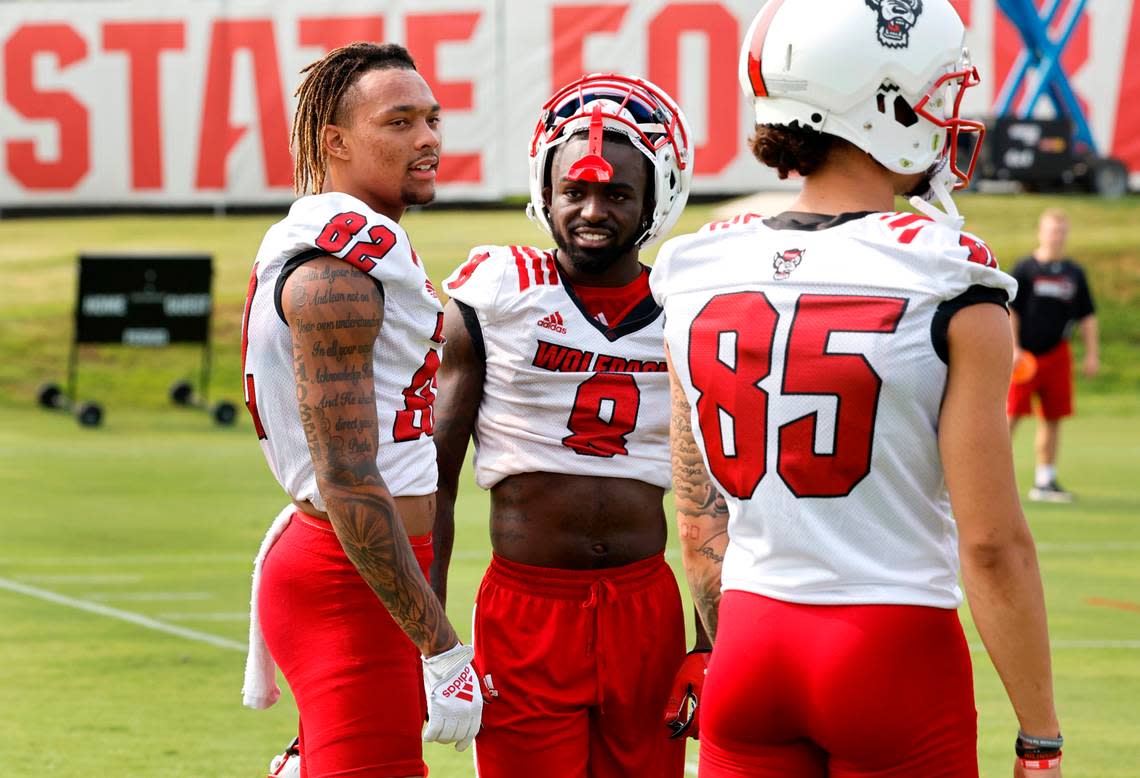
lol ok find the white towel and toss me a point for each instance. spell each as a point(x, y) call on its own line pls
point(260, 689)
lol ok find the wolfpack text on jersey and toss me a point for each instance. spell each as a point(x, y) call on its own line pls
point(810, 348)
point(564, 393)
point(406, 356)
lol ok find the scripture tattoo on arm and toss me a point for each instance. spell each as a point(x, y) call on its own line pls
point(334, 313)
point(702, 514)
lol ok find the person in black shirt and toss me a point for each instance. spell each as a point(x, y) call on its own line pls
point(1052, 296)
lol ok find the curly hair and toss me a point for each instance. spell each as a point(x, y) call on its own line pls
point(320, 101)
point(790, 148)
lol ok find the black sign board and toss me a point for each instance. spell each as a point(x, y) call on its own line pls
point(1029, 150)
point(144, 300)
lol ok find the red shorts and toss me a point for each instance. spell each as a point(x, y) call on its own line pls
point(873, 691)
point(581, 663)
point(1053, 385)
point(354, 674)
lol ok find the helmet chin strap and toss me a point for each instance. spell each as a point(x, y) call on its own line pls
point(939, 185)
point(593, 166)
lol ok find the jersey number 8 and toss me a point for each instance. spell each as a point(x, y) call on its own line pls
point(604, 413)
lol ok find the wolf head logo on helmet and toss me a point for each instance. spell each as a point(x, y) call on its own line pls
point(603, 103)
point(894, 92)
point(896, 18)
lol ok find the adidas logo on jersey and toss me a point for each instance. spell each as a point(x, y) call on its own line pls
point(553, 322)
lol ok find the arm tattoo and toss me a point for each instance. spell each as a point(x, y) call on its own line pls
point(702, 514)
point(713, 500)
point(706, 599)
point(714, 505)
point(334, 314)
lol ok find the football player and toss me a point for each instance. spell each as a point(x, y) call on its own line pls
point(341, 342)
point(556, 367)
point(839, 376)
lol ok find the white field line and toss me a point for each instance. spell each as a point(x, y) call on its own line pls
point(87, 579)
point(240, 616)
point(128, 559)
point(1062, 645)
point(115, 613)
point(150, 596)
point(220, 642)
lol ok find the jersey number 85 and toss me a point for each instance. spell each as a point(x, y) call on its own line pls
point(730, 352)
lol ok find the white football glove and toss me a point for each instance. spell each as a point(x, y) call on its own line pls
point(454, 701)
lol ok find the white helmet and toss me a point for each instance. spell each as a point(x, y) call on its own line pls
point(886, 75)
point(606, 102)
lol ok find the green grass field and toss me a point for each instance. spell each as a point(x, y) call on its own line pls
point(158, 515)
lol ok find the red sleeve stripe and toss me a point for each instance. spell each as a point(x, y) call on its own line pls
point(541, 269)
point(756, 47)
point(536, 263)
point(543, 264)
point(906, 220)
point(520, 263)
point(251, 405)
point(551, 268)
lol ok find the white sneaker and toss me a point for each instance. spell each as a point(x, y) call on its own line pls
point(1050, 492)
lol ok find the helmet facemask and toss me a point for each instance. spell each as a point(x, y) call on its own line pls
point(949, 91)
point(946, 175)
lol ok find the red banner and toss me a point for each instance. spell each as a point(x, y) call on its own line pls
point(120, 103)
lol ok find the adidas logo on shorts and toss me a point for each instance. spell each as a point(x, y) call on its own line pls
point(553, 322)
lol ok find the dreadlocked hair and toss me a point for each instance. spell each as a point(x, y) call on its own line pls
point(791, 148)
point(320, 101)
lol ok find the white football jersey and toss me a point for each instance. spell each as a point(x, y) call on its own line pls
point(405, 359)
point(813, 354)
point(563, 393)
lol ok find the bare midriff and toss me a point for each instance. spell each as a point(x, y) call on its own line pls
point(417, 513)
point(576, 522)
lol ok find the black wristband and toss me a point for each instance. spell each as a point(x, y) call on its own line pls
point(1029, 747)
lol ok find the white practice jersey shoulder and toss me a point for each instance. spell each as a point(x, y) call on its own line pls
point(563, 393)
point(406, 356)
point(814, 361)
